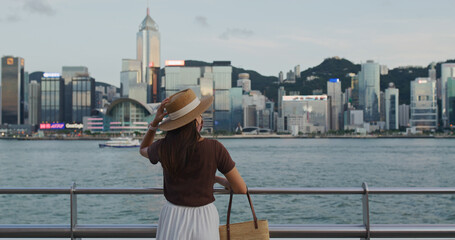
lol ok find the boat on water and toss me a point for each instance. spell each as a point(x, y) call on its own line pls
point(121, 142)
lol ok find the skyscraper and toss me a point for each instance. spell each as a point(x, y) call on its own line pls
point(369, 91)
point(391, 107)
point(83, 97)
point(52, 93)
point(451, 101)
point(148, 52)
point(131, 81)
point(447, 70)
point(334, 92)
point(13, 84)
point(424, 107)
point(68, 72)
point(34, 97)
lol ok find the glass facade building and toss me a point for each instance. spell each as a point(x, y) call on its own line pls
point(451, 101)
point(148, 52)
point(204, 81)
point(424, 108)
point(129, 115)
point(13, 84)
point(369, 91)
point(336, 99)
point(391, 108)
point(52, 98)
point(130, 80)
point(447, 71)
point(68, 72)
point(34, 98)
point(83, 97)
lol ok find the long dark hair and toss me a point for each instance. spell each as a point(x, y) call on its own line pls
point(177, 147)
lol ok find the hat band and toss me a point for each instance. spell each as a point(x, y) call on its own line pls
point(183, 111)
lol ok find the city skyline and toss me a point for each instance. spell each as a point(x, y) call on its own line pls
point(98, 34)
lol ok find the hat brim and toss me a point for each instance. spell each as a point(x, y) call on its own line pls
point(168, 124)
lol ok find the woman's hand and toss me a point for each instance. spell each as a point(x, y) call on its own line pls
point(160, 114)
point(223, 181)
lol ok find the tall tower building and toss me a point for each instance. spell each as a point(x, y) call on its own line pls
point(447, 70)
point(83, 95)
point(34, 97)
point(369, 91)
point(131, 81)
point(68, 73)
point(148, 52)
point(334, 91)
point(391, 107)
point(52, 93)
point(13, 84)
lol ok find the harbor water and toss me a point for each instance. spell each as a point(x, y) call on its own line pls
point(281, 163)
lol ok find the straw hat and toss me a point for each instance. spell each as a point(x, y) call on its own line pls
point(183, 107)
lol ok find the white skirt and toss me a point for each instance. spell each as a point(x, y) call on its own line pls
point(188, 223)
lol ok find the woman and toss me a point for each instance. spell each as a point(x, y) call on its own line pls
point(189, 165)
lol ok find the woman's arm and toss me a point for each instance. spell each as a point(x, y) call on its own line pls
point(148, 138)
point(235, 181)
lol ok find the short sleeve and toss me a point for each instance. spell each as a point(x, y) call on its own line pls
point(224, 160)
point(152, 151)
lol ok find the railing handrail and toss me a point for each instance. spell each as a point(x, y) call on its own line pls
point(365, 230)
point(253, 190)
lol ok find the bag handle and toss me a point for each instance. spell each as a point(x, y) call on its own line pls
point(229, 213)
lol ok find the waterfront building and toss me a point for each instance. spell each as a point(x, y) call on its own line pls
point(447, 70)
point(13, 84)
point(215, 80)
point(256, 100)
point(353, 119)
point(369, 91)
point(26, 102)
point(131, 81)
point(68, 72)
point(244, 82)
point(391, 107)
point(148, 53)
point(83, 97)
point(451, 101)
point(432, 72)
point(306, 114)
point(336, 102)
point(424, 108)
point(403, 113)
point(281, 76)
point(236, 106)
point(250, 117)
point(52, 98)
point(34, 98)
point(355, 90)
point(281, 93)
point(126, 115)
point(268, 119)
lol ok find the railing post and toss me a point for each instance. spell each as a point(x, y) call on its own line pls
point(366, 210)
point(73, 205)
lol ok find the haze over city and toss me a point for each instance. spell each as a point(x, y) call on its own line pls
point(266, 36)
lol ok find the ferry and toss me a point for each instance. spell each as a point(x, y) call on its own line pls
point(121, 142)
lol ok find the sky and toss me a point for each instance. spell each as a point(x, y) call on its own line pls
point(266, 36)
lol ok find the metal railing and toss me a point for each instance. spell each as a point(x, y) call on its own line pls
point(363, 231)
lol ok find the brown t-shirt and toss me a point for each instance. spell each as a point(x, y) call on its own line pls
point(194, 186)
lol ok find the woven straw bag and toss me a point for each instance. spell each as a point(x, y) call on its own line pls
point(252, 230)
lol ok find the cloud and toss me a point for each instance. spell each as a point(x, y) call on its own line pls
point(39, 7)
point(236, 32)
point(201, 21)
point(13, 18)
